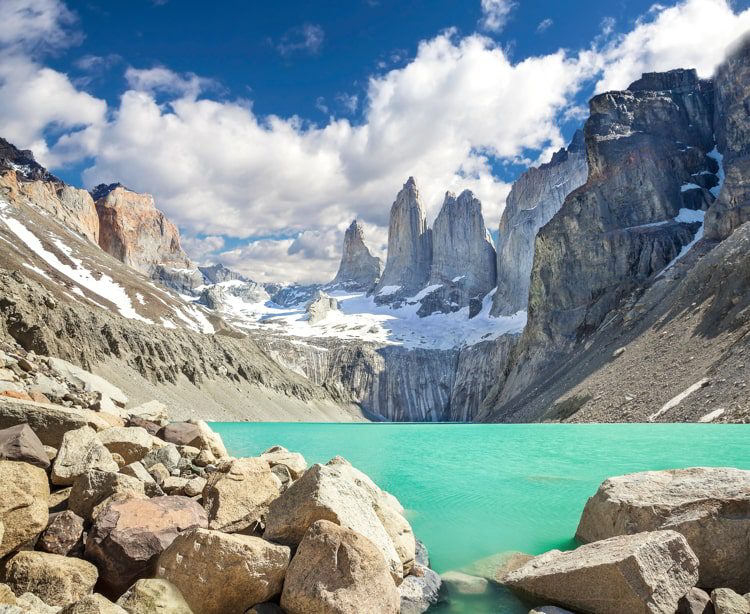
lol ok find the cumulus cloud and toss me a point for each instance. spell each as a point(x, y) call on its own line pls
point(34, 24)
point(691, 34)
point(307, 38)
point(495, 14)
point(448, 116)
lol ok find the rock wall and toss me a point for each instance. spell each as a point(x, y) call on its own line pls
point(463, 257)
point(135, 232)
point(359, 269)
point(535, 197)
point(407, 266)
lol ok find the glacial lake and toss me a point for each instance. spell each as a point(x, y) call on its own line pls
point(472, 491)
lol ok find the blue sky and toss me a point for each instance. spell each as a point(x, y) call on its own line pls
point(262, 128)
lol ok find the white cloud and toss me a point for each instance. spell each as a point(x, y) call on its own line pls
point(495, 14)
point(544, 25)
point(307, 38)
point(202, 249)
point(34, 24)
point(691, 34)
point(446, 116)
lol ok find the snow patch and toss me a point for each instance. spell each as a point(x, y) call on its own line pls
point(687, 216)
point(714, 153)
point(424, 292)
point(388, 290)
point(685, 187)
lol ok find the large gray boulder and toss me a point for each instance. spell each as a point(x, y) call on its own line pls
point(320, 306)
point(338, 571)
point(645, 572)
point(359, 269)
point(94, 488)
point(80, 451)
point(726, 601)
point(407, 266)
point(420, 591)
point(710, 506)
point(324, 493)
point(218, 573)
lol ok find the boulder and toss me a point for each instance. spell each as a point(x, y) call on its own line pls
point(58, 500)
point(152, 428)
point(212, 440)
point(158, 473)
point(154, 595)
point(80, 451)
point(695, 601)
point(168, 455)
point(93, 604)
point(31, 604)
point(645, 572)
point(494, 568)
point(49, 422)
point(7, 596)
point(94, 487)
point(182, 434)
point(130, 442)
point(710, 506)
point(464, 584)
point(420, 591)
point(363, 481)
point(266, 608)
point(247, 569)
point(128, 536)
point(87, 381)
point(24, 495)
point(338, 571)
point(63, 535)
point(153, 411)
point(238, 495)
point(726, 601)
point(293, 461)
point(400, 532)
point(194, 487)
point(20, 443)
point(324, 493)
point(138, 471)
point(174, 485)
point(56, 580)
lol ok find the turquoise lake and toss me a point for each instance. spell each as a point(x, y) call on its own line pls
point(472, 491)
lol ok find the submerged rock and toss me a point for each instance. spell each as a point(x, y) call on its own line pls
point(710, 506)
point(645, 572)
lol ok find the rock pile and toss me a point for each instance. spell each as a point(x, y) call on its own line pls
point(126, 512)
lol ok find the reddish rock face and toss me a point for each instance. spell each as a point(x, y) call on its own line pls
point(63, 535)
point(135, 232)
point(128, 536)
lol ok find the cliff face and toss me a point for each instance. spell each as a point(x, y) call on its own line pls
point(732, 121)
point(135, 232)
point(359, 269)
point(463, 257)
point(535, 197)
point(407, 266)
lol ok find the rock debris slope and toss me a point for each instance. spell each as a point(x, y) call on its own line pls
point(359, 269)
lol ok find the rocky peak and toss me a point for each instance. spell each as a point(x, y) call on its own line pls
point(678, 80)
point(359, 269)
point(463, 257)
point(23, 163)
point(135, 232)
point(535, 197)
point(320, 306)
point(217, 273)
point(407, 266)
point(103, 189)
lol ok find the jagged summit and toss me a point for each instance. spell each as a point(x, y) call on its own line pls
point(359, 269)
point(218, 273)
point(103, 189)
point(23, 162)
point(407, 266)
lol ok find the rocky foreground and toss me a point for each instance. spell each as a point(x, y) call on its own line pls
point(108, 510)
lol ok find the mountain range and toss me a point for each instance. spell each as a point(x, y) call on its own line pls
point(617, 289)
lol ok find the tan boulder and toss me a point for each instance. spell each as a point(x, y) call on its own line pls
point(80, 451)
point(174, 485)
point(93, 604)
point(24, 495)
point(726, 601)
point(194, 487)
point(710, 506)
point(247, 569)
point(212, 440)
point(154, 595)
point(130, 442)
point(94, 487)
point(128, 536)
point(645, 572)
point(338, 571)
point(56, 580)
point(364, 481)
point(401, 534)
point(153, 411)
point(324, 493)
point(49, 422)
point(293, 461)
point(237, 496)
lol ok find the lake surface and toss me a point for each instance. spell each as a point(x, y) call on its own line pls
point(472, 491)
